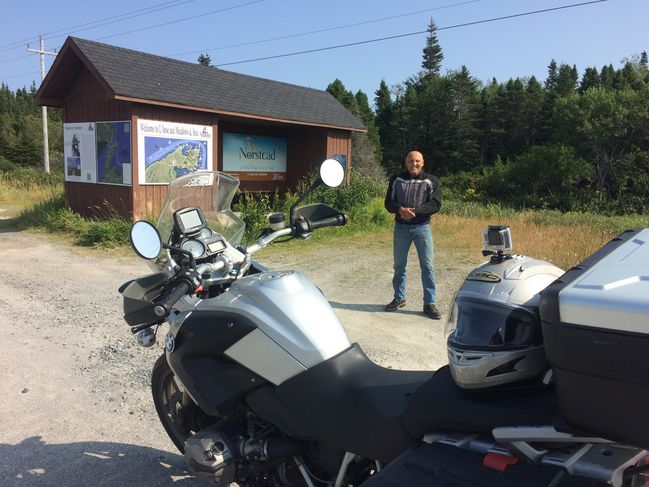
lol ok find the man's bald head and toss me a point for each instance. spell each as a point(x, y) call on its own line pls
point(414, 162)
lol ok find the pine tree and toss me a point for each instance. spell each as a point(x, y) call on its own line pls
point(607, 76)
point(337, 89)
point(552, 81)
point(533, 111)
point(433, 55)
point(464, 102)
point(368, 118)
point(590, 79)
point(385, 125)
point(566, 80)
point(205, 60)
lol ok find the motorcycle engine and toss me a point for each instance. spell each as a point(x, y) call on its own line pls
point(210, 458)
point(217, 458)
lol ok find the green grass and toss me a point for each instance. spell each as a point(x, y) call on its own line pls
point(52, 216)
point(563, 238)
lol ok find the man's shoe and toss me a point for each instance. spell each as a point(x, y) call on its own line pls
point(395, 304)
point(432, 311)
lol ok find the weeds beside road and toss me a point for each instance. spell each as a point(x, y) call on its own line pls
point(562, 238)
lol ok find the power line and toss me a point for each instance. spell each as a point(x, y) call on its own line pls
point(14, 58)
point(100, 22)
point(176, 4)
point(18, 75)
point(339, 46)
point(327, 29)
point(175, 21)
point(368, 41)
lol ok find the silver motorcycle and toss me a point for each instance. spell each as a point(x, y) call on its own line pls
point(259, 384)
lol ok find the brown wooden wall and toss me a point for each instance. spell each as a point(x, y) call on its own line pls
point(340, 142)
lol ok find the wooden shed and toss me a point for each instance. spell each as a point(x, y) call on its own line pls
point(135, 121)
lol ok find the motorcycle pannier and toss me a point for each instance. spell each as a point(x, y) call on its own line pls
point(596, 331)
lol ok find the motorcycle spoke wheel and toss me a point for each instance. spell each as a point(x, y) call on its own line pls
point(167, 398)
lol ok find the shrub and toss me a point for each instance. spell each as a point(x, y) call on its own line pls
point(25, 177)
point(356, 199)
point(6, 164)
point(253, 209)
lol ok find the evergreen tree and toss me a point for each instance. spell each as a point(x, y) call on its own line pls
point(533, 112)
point(607, 76)
point(552, 81)
point(489, 130)
point(464, 102)
point(566, 80)
point(205, 60)
point(21, 141)
point(590, 79)
point(368, 118)
point(339, 92)
point(385, 125)
point(433, 55)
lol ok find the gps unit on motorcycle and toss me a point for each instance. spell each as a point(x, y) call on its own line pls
point(189, 220)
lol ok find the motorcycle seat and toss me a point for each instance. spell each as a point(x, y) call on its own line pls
point(439, 405)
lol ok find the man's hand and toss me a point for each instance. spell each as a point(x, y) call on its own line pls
point(407, 213)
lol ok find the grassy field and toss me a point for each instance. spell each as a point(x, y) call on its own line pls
point(564, 239)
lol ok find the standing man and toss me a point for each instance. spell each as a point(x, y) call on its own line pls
point(413, 196)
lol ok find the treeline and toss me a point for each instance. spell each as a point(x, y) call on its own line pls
point(21, 134)
point(567, 142)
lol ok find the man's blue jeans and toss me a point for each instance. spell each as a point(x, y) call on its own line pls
point(422, 237)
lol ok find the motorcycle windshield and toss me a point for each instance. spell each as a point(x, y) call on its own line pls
point(212, 192)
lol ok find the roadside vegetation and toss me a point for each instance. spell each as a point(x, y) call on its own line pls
point(564, 238)
point(564, 161)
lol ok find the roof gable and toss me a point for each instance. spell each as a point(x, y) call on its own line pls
point(129, 74)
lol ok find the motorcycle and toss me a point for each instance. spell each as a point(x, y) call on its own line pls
point(259, 385)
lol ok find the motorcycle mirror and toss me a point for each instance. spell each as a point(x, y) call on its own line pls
point(332, 173)
point(145, 240)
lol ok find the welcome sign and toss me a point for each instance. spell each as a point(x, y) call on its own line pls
point(254, 157)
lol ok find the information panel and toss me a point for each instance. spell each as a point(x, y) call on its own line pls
point(254, 157)
point(114, 152)
point(168, 150)
point(80, 152)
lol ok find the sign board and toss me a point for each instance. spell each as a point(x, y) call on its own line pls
point(80, 152)
point(254, 157)
point(169, 150)
point(113, 152)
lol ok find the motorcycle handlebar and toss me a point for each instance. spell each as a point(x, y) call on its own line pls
point(163, 307)
point(335, 221)
point(339, 220)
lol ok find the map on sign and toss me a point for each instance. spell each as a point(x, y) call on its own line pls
point(167, 159)
point(113, 152)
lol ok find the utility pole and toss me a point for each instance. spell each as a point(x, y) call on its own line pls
point(46, 151)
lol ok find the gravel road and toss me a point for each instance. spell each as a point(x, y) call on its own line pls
point(76, 408)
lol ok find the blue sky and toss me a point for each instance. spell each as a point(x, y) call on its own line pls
point(590, 35)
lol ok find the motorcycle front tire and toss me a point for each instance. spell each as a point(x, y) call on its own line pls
point(167, 398)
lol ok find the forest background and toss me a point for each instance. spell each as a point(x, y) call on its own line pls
point(569, 142)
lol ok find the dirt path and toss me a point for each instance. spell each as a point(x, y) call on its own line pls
point(76, 406)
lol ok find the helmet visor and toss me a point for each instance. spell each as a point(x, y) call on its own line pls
point(483, 325)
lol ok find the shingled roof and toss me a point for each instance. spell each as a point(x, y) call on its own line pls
point(139, 76)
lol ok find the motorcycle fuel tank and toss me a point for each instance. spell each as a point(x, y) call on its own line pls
point(296, 326)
